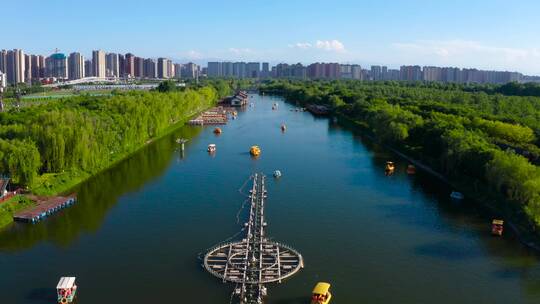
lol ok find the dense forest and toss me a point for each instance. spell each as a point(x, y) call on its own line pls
point(74, 137)
point(469, 133)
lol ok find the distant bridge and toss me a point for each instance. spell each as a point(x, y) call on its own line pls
point(255, 260)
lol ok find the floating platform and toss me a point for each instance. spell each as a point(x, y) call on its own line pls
point(214, 116)
point(45, 207)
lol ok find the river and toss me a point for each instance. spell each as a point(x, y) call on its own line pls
point(136, 231)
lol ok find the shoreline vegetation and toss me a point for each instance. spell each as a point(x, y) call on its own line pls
point(482, 142)
point(50, 148)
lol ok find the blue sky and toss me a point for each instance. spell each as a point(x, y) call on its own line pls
point(494, 34)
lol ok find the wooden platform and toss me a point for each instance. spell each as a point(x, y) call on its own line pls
point(45, 207)
point(254, 260)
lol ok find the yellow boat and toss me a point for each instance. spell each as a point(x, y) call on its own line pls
point(321, 293)
point(389, 168)
point(255, 150)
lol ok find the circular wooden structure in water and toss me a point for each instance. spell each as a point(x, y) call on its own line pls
point(231, 262)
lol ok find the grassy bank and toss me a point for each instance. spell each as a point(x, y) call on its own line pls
point(12, 206)
point(57, 183)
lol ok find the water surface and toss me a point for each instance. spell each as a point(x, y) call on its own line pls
point(136, 231)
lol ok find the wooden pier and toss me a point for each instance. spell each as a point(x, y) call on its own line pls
point(255, 260)
point(45, 207)
point(214, 116)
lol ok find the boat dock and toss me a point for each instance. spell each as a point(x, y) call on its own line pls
point(255, 260)
point(214, 116)
point(45, 207)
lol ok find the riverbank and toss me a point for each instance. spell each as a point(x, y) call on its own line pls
point(526, 234)
point(55, 184)
point(113, 129)
point(59, 183)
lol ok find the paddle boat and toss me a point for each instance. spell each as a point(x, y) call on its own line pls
point(389, 168)
point(66, 290)
point(411, 169)
point(255, 151)
point(217, 131)
point(321, 293)
point(277, 174)
point(497, 227)
point(211, 148)
point(283, 128)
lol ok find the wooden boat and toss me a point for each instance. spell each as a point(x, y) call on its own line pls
point(411, 169)
point(217, 131)
point(255, 151)
point(211, 148)
point(497, 227)
point(321, 293)
point(389, 168)
point(456, 195)
point(66, 290)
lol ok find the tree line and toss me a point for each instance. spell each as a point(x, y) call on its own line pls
point(485, 136)
point(88, 133)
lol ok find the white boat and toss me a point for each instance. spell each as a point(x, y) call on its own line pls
point(66, 290)
point(457, 195)
point(211, 148)
point(277, 174)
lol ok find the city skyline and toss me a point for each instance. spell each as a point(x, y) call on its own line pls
point(491, 35)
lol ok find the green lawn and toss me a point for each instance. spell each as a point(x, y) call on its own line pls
point(11, 206)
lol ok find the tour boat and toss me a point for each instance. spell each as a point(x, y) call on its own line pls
point(283, 127)
point(497, 227)
point(321, 293)
point(277, 174)
point(411, 169)
point(211, 148)
point(255, 150)
point(66, 290)
point(457, 195)
point(217, 131)
point(389, 168)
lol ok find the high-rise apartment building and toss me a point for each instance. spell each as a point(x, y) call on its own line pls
point(3, 61)
point(253, 69)
point(227, 69)
point(38, 66)
point(15, 66)
point(411, 73)
point(112, 65)
point(190, 70)
point(139, 67)
point(150, 68)
point(76, 66)
point(88, 68)
point(265, 71)
point(57, 66)
point(376, 72)
point(130, 65)
point(28, 68)
point(214, 69)
point(239, 70)
point(177, 70)
point(165, 68)
point(98, 63)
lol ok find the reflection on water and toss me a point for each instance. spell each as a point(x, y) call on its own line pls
point(97, 195)
point(376, 238)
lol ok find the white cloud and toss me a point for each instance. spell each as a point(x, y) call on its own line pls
point(326, 45)
point(301, 45)
point(238, 51)
point(467, 53)
point(330, 45)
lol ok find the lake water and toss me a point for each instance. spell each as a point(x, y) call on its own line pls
point(137, 229)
